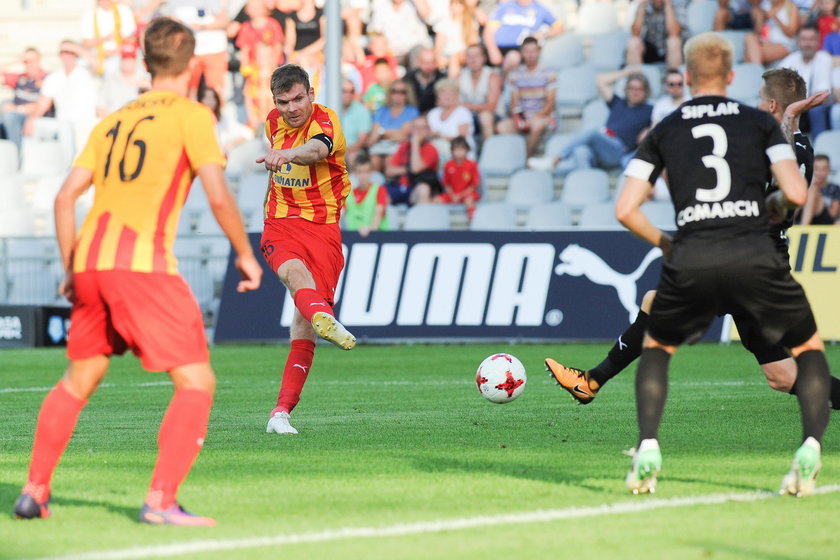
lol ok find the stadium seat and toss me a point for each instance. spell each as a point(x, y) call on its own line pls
point(549, 217)
point(32, 248)
point(43, 196)
point(501, 155)
point(585, 186)
point(594, 115)
point(607, 51)
point(828, 143)
point(207, 224)
point(598, 215)
point(16, 222)
point(562, 51)
point(202, 261)
point(660, 214)
point(9, 158)
point(736, 37)
point(252, 188)
point(746, 83)
point(493, 216)
point(427, 217)
point(577, 87)
point(396, 216)
point(528, 187)
point(196, 202)
point(700, 16)
point(42, 157)
point(597, 18)
point(11, 191)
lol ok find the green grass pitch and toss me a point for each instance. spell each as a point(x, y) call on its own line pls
point(398, 456)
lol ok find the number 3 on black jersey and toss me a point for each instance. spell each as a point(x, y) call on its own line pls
point(715, 161)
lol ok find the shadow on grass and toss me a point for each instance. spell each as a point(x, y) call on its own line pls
point(10, 492)
point(525, 471)
point(716, 549)
point(562, 473)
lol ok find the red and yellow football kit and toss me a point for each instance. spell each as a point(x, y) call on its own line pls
point(311, 194)
point(129, 294)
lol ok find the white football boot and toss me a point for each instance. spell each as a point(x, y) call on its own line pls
point(279, 424)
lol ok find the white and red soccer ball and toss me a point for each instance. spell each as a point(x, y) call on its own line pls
point(500, 378)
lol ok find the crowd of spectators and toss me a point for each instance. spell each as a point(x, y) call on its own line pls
point(424, 82)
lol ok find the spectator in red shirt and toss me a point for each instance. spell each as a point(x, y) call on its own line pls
point(826, 18)
point(461, 178)
point(412, 170)
point(378, 48)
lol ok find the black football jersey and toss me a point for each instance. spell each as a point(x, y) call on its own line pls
point(717, 153)
point(805, 159)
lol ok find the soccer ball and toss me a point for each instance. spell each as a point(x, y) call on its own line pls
point(500, 378)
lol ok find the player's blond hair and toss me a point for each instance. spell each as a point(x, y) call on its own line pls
point(708, 58)
point(168, 46)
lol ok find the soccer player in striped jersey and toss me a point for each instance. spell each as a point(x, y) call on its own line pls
point(122, 277)
point(301, 239)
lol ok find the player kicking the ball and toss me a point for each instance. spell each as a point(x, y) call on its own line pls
point(122, 276)
point(301, 239)
point(721, 261)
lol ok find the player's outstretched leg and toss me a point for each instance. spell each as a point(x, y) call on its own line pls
point(327, 327)
point(647, 462)
point(573, 380)
point(801, 478)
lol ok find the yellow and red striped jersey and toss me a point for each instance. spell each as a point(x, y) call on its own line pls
point(313, 192)
point(143, 158)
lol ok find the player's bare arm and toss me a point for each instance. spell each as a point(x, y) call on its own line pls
point(790, 118)
point(74, 186)
point(308, 154)
point(628, 211)
point(227, 214)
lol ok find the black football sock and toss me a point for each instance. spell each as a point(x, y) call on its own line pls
point(835, 393)
point(651, 390)
point(812, 390)
point(626, 349)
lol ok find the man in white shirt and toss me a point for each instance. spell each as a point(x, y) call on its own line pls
point(814, 66)
point(104, 30)
point(675, 95)
point(72, 92)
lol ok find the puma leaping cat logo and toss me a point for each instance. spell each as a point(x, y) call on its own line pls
point(577, 261)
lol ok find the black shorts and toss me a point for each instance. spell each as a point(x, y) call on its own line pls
point(754, 341)
point(760, 290)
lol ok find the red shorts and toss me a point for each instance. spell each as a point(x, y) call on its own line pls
point(317, 245)
point(153, 314)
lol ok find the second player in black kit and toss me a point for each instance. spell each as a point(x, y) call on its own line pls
point(719, 155)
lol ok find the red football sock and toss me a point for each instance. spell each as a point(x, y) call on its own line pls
point(56, 422)
point(180, 439)
point(294, 374)
point(309, 302)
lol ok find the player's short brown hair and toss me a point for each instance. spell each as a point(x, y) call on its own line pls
point(168, 46)
point(708, 57)
point(784, 85)
point(285, 77)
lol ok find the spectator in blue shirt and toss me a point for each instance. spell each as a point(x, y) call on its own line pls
point(512, 22)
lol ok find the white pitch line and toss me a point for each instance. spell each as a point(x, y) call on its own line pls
point(424, 527)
